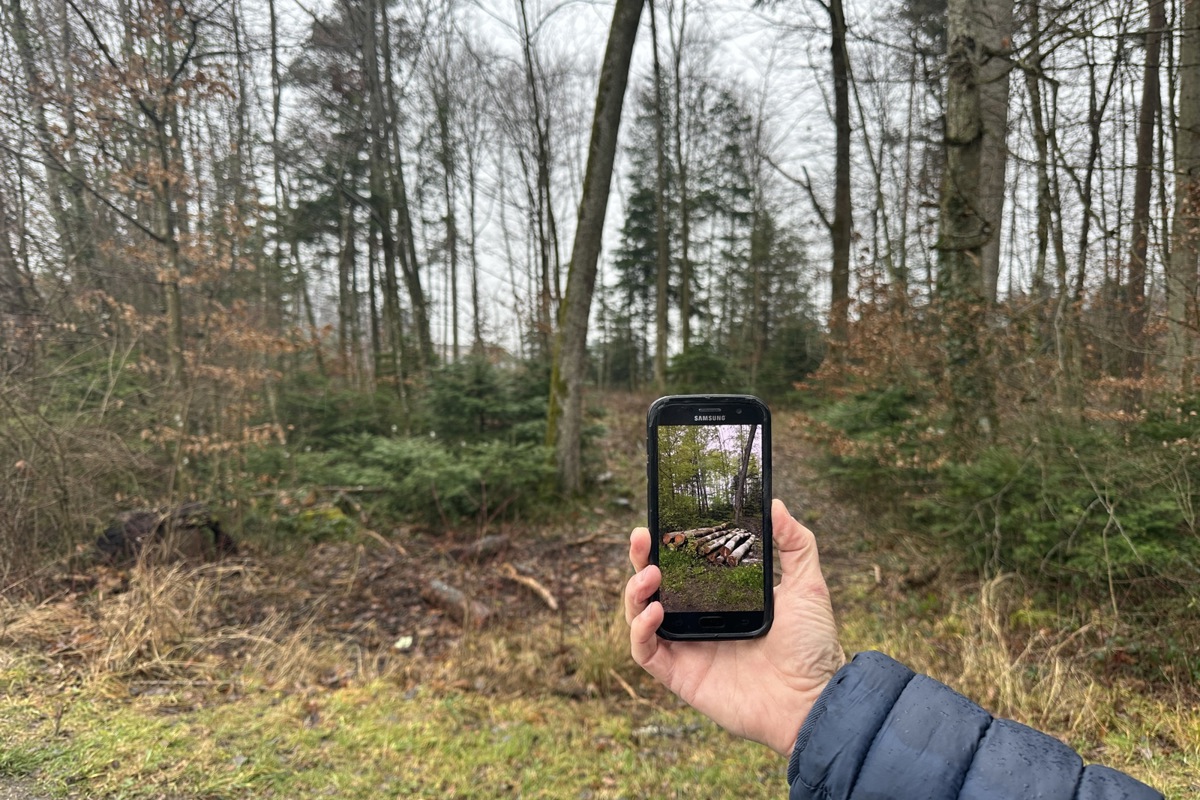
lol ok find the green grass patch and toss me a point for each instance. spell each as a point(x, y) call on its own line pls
point(689, 582)
point(379, 740)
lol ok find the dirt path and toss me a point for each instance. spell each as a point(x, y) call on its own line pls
point(840, 530)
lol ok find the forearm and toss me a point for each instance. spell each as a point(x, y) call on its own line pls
point(879, 730)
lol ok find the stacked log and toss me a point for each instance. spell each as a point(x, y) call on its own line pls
point(720, 544)
point(715, 545)
point(733, 557)
point(735, 542)
point(677, 538)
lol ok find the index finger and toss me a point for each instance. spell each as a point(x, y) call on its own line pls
point(639, 548)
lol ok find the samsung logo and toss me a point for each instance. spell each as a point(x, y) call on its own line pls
point(710, 418)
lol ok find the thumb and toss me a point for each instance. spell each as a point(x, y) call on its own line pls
point(798, 557)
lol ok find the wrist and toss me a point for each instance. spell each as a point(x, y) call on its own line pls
point(784, 740)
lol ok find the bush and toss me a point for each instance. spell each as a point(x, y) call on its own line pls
point(701, 369)
point(319, 412)
point(1071, 503)
point(473, 400)
point(431, 481)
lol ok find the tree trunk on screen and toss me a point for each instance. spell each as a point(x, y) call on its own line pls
point(739, 492)
point(569, 366)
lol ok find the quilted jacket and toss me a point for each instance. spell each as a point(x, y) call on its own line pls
point(881, 732)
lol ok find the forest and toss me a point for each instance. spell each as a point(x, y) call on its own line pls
point(371, 296)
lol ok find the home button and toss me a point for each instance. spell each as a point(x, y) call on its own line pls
point(712, 623)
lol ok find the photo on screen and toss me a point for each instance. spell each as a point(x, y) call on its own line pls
point(710, 517)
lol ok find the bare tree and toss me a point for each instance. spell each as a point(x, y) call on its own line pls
point(569, 366)
point(1185, 223)
point(1148, 114)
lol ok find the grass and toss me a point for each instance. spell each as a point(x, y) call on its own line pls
point(378, 739)
point(689, 583)
point(446, 730)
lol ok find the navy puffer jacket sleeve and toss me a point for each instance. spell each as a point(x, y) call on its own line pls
point(881, 732)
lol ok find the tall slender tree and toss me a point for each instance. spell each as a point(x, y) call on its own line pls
point(568, 368)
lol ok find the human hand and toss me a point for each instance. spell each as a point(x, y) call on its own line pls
point(760, 689)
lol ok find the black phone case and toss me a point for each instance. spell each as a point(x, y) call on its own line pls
point(691, 621)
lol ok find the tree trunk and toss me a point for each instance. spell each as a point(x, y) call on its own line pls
point(381, 197)
point(543, 208)
point(445, 103)
point(1144, 174)
point(992, 22)
point(1185, 224)
point(56, 173)
point(1067, 323)
point(963, 233)
point(739, 492)
point(18, 295)
point(662, 248)
point(347, 302)
point(569, 366)
point(1033, 77)
point(681, 176)
point(841, 226)
point(409, 264)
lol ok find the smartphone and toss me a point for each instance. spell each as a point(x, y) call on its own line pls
point(709, 495)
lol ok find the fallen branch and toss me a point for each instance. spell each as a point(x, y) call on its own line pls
point(629, 690)
point(480, 549)
point(461, 608)
point(386, 542)
point(532, 584)
point(596, 538)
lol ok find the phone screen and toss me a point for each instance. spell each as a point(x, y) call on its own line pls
point(710, 517)
point(709, 514)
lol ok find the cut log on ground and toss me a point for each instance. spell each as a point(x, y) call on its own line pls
point(713, 545)
point(481, 549)
point(735, 542)
point(673, 540)
point(708, 537)
point(704, 531)
point(734, 557)
point(461, 608)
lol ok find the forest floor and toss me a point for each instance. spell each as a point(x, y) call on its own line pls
point(324, 670)
point(690, 583)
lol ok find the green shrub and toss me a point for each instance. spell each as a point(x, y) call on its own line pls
point(702, 369)
point(320, 523)
point(318, 412)
point(425, 479)
point(796, 350)
point(473, 400)
point(1065, 501)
